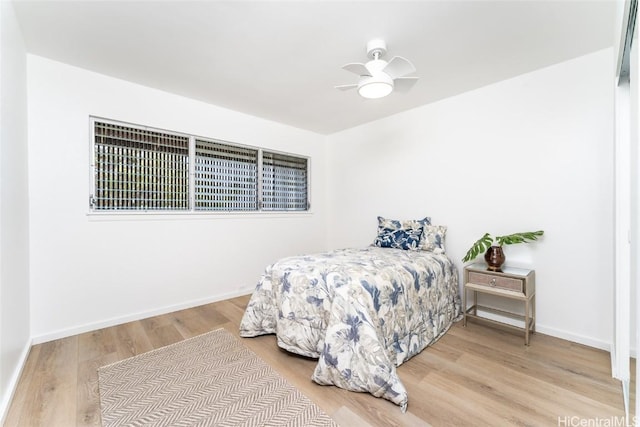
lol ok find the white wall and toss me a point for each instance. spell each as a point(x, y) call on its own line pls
point(533, 152)
point(89, 271)
point(14, 206)
point(527, 153)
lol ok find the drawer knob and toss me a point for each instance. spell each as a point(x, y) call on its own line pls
point(493, 282)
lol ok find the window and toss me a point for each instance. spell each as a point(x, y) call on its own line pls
point(284, 182)
point(226, 177)
point(136, 168)
point(139, 169)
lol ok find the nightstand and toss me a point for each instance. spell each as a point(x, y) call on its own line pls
point(511, 283)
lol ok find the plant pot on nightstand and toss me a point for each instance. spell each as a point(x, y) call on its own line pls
point(494, 258)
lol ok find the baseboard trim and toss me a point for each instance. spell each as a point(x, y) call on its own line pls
point(580, 339)
point(558, 333)
point(13, 382)
point(63, 333)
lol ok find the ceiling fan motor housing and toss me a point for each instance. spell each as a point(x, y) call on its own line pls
point(375, 66)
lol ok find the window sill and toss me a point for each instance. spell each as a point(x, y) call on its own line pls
point(189, 216)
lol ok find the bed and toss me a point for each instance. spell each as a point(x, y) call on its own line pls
point(360, 312)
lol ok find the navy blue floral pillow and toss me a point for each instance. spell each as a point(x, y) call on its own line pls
point(400, 234)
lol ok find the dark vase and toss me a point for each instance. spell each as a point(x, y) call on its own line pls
point(494, 257)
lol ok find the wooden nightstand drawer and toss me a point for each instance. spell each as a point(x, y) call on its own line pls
point(508, 283)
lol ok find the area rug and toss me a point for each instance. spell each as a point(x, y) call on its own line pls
point(208, 380)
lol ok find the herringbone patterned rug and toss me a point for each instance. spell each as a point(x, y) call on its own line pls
point(208, 380)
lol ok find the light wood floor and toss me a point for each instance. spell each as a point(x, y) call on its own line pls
point(473, 376)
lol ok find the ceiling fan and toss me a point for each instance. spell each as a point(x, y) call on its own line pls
point(378, 78)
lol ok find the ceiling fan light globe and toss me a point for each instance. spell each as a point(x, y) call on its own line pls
point(377, 86)
point(374, 90)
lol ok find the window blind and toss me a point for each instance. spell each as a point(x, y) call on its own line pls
point(225, 177)
point(139, 169)
point(284, 182)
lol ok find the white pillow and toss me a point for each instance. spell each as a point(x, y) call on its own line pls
point(432, 239)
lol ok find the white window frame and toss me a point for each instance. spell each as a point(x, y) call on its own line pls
point(191, 209)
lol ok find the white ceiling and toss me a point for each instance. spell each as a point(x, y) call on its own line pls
point(280, 59)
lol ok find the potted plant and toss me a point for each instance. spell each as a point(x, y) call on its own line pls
point(493, 247)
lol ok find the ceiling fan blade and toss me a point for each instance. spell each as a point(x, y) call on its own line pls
point(357, 68)
point(399, 67)
point(346, 87)
point(403, 84)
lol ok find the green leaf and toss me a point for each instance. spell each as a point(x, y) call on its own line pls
point(523, 237)
point(478, 247)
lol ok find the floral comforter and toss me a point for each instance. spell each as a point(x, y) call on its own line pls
point(360, 312)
